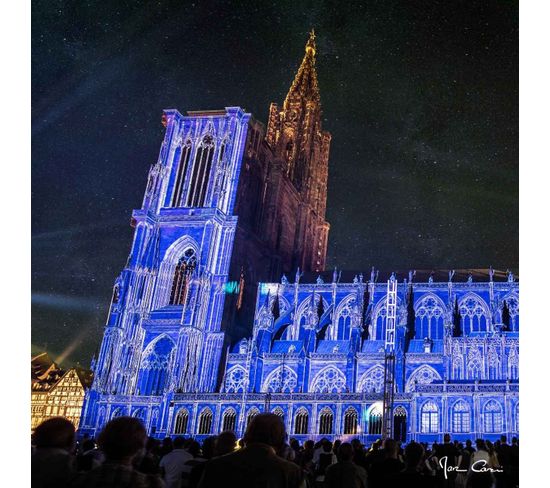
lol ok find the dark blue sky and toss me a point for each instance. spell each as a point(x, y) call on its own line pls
point(421, 99)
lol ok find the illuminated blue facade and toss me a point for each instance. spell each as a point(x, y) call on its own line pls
point(173, 356)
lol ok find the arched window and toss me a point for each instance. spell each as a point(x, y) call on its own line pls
point(475, 314)
point(329, 380)
point(345, 313)
point(375, 420)
point(117, 412)
point(182, 276)
point(372, 380)
point(235, 380)
point(139, 413)
point(430, 315)
point(182, 419)
point(492, 417)
point(400, 424)
point(326, 420)
point(281, 380)
point(516, 412)
point(424, 375)
point(350, 421)
point(229, 420)
point(279, 412)
point(205, 422)
point(251, 414)
point(155, 367)
point(301, 422)
point(429, 418)
point(185, 152)
point(460, 417)
point(200, 172)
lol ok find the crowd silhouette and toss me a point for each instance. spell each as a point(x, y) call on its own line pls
point(123, 456)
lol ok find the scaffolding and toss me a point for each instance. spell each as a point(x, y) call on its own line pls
point(389, 358)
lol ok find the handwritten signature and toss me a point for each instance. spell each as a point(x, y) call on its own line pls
point(477, 467)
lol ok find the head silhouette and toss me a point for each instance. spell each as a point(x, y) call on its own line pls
point(56, 433)
point(266, 428)
point(122, 438)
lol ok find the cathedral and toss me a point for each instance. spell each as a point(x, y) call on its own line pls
point(224, 308)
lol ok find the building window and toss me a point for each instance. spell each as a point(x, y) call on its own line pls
point(200, 173)
point(350, 421)
point(492, 417)
point(279, 412)
point(325, 421)
point(235, 380)
point(229, 420)
point(429, 312)
point(329, 380)
point(182, 170)
point(301, 423)
point(205, 422)
point(461, 417)
point(182, 419)
point(474, 314)
point(429, 418)
point(400, 424)
point(182, 277)
point(375, 420)
point(155, 367)
point(251, 414)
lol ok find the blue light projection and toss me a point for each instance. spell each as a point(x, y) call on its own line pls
point(316, 354)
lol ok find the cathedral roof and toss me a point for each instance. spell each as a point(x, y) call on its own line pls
point(305, 84)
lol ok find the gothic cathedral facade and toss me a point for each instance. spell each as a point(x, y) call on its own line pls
point(229, 207)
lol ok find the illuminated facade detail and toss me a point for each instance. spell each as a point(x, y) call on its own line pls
point(232, 217)
point(55, 392)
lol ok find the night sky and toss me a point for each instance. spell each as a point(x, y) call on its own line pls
point(421, 98)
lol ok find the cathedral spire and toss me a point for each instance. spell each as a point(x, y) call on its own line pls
point(305, 85)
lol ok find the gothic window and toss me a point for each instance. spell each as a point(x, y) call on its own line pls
point(350, 421)
point(155, 367)
point(183, 154)
point(279, 412)
point(513, 307)
point(117, 412)
point(229, 420)
point(205, 422)
point(375, 420)
point(182, 277)
point(223, 167)
point(200, 172)
point(379, 324)
point(182, 419)
point(329, 380)
point(235, 380)
point(326, 420)
point(139, 413)
point(344, 321)
point(492, 417)
point(513, 364)
point(460, 417)
point(474, 314)
point(400, 424)
point(516, 415)
point(301, 422)
point(424, 375)
point(429, 418)
point(116, 292)
point(282, 380)
point(372, 381)
point(430, 316)
point(251, 414)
